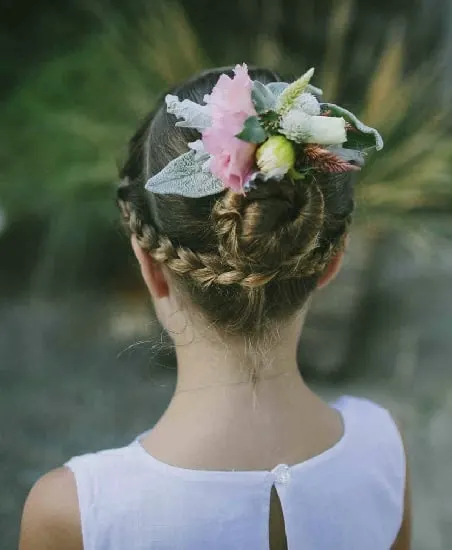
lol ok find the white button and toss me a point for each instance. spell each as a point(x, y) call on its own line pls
point(282, 474)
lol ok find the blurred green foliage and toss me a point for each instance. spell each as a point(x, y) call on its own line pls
point(64, 129)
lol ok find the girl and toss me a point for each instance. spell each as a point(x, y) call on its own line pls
point(238, 196)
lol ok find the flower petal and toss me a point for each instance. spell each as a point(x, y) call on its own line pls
point(326, 130)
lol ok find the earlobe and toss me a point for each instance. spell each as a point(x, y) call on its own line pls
point(331, 270)
point(152, 272)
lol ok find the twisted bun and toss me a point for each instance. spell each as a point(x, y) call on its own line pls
point(273, 229)
point(246, 261)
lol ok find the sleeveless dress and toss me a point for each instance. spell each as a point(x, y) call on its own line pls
point(350, 497)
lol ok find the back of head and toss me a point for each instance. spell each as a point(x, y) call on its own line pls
point(247, 261)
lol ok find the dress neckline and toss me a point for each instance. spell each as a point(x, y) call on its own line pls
point(339, 405)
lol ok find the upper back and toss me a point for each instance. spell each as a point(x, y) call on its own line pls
point(348, 497)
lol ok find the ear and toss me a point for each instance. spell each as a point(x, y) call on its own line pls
point(152, 272)
point(331, 270)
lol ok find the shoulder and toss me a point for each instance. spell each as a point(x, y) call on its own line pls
point(51, 518)
point(375, 442)
point(374, 418)
point(381, 433)
point(373, 424)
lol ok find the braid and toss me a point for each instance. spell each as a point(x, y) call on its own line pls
point(134, 223)
point(246, 261)
point(232, 266)
point(204, 269)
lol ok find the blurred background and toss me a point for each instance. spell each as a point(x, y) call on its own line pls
point(82, 365)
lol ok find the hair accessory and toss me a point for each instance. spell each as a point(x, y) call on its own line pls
point(252, 131)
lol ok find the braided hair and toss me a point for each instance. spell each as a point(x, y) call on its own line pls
point(247, 262)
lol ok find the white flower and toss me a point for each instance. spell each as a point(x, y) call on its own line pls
point(308, 103)
point(275, 157)
point(326, 130)
point(300, 127)
point(295, 125)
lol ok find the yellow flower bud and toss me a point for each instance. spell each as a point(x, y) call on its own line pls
point(275, 157)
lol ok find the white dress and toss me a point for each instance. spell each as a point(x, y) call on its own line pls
point(350, 497)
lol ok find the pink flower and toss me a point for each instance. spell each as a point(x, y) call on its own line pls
point(232, 159)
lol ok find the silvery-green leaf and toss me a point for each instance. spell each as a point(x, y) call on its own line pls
point(200, 153)
point(277, 88)
point(349, 155)
point(366, 131)
point(263, 99)
point(206, 165)
point(192, 114)
point(314, 90)
point(185, 176)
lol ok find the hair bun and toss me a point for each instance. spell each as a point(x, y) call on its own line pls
point(274, 227)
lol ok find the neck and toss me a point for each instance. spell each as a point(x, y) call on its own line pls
point(215, 386)
point(219, 417)
point(207, 361)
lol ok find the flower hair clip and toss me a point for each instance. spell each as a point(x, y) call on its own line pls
point(252, 131)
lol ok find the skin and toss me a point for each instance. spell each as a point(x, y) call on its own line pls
point(279, 420)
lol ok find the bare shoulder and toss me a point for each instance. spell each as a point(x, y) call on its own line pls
point(51, 518)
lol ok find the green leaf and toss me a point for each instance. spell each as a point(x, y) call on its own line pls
point(253, 131)
point(263, 99)
point(359, 140)
point(360, 136)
